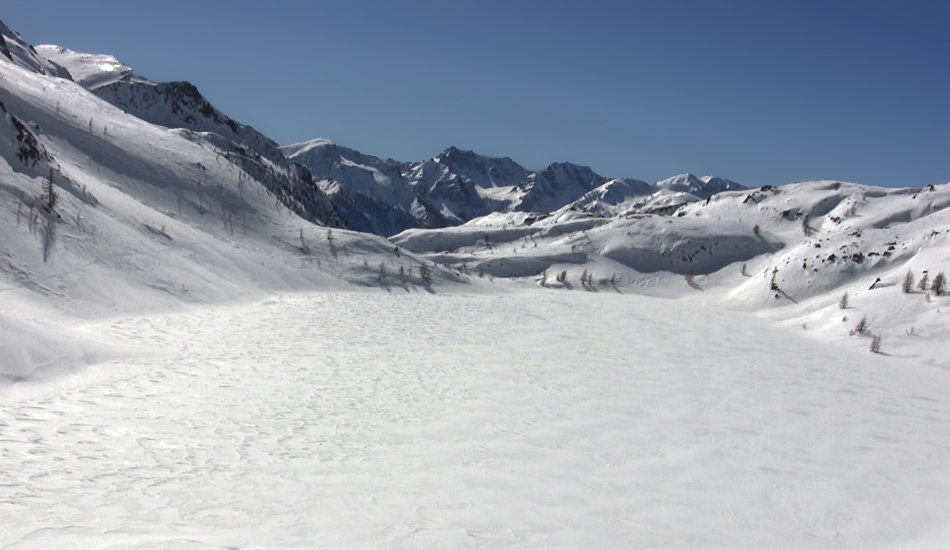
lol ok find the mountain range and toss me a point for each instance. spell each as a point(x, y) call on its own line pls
point(367, 193)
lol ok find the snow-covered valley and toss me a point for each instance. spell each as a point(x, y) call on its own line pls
point(204, 344)
point(514, 420)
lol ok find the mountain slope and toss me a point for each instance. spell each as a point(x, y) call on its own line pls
point(23, 55)
point(146, 217)
point(790, 252)
point(180, 105)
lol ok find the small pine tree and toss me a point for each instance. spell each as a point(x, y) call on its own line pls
point(908, 284)
point(49, 196)
point(745, 270)
point(939, 285)
point(843, 303)
point(861, 328)
point(924, 283)
point(875, 344)
point(562, 276)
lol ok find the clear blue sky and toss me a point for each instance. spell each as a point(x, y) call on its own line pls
point(760, 92)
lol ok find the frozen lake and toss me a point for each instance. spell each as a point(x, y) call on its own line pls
point(522, 420)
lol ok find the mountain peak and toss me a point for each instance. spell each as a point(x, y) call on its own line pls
point(681, 179)
point(453, 155)
point(305, 146)
point(701, 187)
point(18, 52)
point(90, 71)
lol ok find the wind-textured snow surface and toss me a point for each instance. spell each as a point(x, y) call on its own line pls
point(523, 420)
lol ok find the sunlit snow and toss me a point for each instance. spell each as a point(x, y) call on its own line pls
point(191, 357)
point(558, 420)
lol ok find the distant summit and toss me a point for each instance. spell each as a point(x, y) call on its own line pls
point(386, 196)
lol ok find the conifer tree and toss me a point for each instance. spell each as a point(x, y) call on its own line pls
point(940, 284)
point(49, 196)
point(908, 285)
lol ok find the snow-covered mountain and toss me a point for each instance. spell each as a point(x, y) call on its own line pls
point(345, 188)
point(23, 55)
point(456, 186)
point(169, 104)
point(375, 198)
point(181, 105)
point(629, 196)
point(105, 212)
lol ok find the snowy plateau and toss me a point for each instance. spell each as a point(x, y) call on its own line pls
point(208, 340)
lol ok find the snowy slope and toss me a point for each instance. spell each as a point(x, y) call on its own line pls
point(790, 251)
point(23, 55)
point(181, 105)
point(169, 104)
point(147, 217)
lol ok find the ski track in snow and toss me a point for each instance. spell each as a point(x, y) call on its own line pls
point(524, 420)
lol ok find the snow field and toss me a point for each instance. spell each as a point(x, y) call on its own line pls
point(524, 420)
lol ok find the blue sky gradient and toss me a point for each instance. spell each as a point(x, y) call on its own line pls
point(760, 92)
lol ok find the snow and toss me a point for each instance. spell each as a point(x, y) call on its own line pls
point(186, 362)
point(88, 70)
point(147, 218)
point(302, 148)
point(15, 50)
point(725, 250)
point(521, 420)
